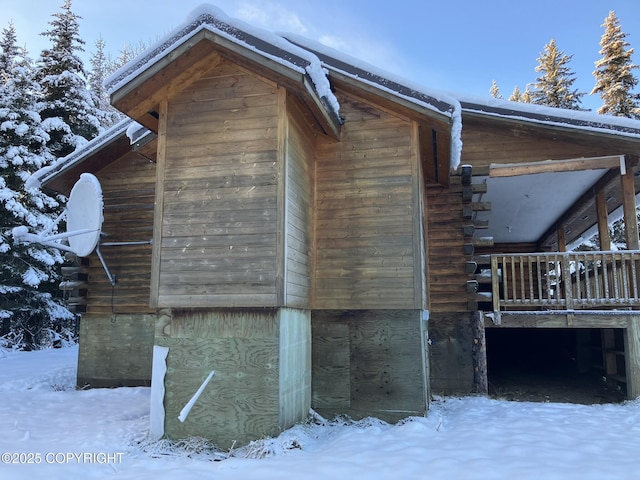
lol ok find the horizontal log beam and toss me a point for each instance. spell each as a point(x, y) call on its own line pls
point(552, 166)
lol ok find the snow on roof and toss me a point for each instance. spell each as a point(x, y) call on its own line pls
point(585, 120)
point(314, 59)
point(455, 103)
point(133, 130)
point(211, 18)
point(430, 99)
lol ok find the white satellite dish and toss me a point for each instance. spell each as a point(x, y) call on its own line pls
point(84, 212)
point(84, 220)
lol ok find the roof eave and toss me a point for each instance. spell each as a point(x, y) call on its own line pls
point(599, 127)
point(205, 43)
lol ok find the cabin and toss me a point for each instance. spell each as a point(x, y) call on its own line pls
point(286, 229)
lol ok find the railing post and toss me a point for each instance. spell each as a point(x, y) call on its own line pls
point(566, 279)
point(495, 287)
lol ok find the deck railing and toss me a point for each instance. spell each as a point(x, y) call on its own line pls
point(576, 280)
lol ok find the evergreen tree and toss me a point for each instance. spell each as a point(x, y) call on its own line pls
point(495, 91)
point(614, 72)
point(127, 53)
point(554, 85)
point(526, 96)
point(8, 51)
point(515, 95)
point(69, 110)
point(30, 307)
point(101, 67)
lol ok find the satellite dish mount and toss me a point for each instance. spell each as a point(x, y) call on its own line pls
point(84, 215)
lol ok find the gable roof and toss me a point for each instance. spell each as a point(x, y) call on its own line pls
point(315, 66)
point(458, 106)
point(209, 25)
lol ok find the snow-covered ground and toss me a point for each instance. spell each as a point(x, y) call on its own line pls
point(101, 433)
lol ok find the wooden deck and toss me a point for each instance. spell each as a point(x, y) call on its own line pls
point(563, 282)
point(573, 290)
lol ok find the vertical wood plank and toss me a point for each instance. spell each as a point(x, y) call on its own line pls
point(295, 366)
point(606, 280)
point(495, 283)
point(539, 277)
point(629, 208)
point(159, 203)
point(514, 285)
point(418, 215)
point(634, 275)
point(632, 357)
point(566, 279)
point(589, 279)
point(522, 283)
point(282, 201)
point(480, 372)
point(562, 239)
point(578, 282)
point(603, 222)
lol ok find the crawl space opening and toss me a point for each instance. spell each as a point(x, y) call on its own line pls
point(556, 365)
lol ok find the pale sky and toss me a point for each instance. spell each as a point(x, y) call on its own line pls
point(458, 46)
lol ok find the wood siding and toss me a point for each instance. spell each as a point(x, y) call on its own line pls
point(365, 235)
point(217, 244)
point(128, 189)
point(299, 216)
point(487, 142)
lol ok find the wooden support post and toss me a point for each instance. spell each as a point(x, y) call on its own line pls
point(562, 240)
point(603, 222)
point(632, 357)
point(495, 289)
point(480, 374)
point(608, 349)
point(566, 280)
point(629, 207)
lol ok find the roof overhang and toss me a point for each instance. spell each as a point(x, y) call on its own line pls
point(122, 138)
point(561, 120)
point(139, 89)
point(530, 200)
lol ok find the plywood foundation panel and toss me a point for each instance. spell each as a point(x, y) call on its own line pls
point(369, 363)
point(261, 359)
point(451, 355)
point(331, 379)
point(115, 350)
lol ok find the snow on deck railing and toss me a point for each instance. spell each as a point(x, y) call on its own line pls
point(575, 280)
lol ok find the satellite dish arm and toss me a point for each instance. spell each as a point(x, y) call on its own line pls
point(55, 223)
point(21, 234)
